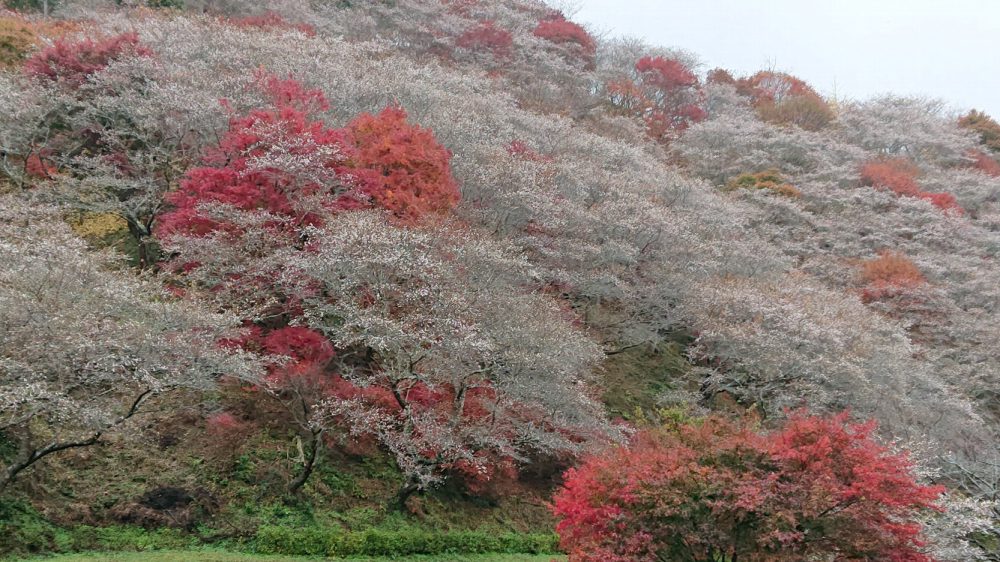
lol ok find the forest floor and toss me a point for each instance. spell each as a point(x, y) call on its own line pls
point(186, 556)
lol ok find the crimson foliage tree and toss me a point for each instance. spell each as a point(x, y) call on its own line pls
point(818, 488)
point(557, 29)
point(73, 61)
point(279, 159)
point(487, 37)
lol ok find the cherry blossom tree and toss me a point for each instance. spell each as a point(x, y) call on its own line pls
point(83, 347)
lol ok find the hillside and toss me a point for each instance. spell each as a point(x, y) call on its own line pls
point(320, 277)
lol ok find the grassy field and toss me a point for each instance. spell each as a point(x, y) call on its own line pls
point(191, 556)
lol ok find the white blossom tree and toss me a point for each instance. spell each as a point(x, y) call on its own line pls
point(83, 347)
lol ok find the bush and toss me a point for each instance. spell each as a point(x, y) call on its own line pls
point(985, 163)
point(557, 29)
point(771, 180)
point(818, 488)
point(889, 275)
point(898, 175)
point(405, 542)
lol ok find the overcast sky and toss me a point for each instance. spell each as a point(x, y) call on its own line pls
point(947, 49)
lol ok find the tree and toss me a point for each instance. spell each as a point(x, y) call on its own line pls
point(410, 172)
point(714, 490)
point(451, 364)
point(236, 218)
point(785, 99)
point(987, 128)
point(72, 62)
point(557, 29)
point(664, 92)
point(488, 37)
point(83, 348)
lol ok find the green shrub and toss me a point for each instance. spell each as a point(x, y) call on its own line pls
point(125, 538)
point(25, 531)
point(405, 542)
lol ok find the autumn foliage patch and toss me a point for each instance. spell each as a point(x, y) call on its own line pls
point(410, 170)
point(487, 37)
point(273, 159)
point(272, 21)
point(73, 61)
point(785, 99)
point(984, 163)
point(770, 180)
point(888, 275)
point(985, 126)
point(818, 487)
point(557, 29)
point(899, 176)
point(664, 92)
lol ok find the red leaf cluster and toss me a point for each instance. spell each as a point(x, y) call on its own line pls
point(233, 177)
point(889, 275)
point(818, 487)
point(665, 74)
point(899, 176)
point(411, 171)
point(557, 29)
point(665, 93)
point(487, 37)
point(985, 163)
point(272, 20)
point(73, 61)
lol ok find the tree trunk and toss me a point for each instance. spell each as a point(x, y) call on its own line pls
point(398, 502)
point(316, 441)
point(146, 246)
point(31, 456)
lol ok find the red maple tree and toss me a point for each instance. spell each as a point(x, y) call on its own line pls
point(409, 170)
point(73, 61)
point(817, 487)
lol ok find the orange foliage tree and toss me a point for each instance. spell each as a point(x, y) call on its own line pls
point(410, 172)
point(889, 274)
point(985, 126)
point(786, 99)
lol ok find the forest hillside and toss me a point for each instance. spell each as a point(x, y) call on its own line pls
point(391, 277)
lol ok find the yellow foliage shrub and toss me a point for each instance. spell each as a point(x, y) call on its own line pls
point(771, 180)
point(96, 226)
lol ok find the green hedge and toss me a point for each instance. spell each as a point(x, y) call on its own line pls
point(373, 542)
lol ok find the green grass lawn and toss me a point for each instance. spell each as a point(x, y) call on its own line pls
point(193, 556)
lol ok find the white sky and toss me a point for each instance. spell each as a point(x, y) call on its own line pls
point(948, 49)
